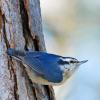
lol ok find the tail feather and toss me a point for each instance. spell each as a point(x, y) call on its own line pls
point(12, 52)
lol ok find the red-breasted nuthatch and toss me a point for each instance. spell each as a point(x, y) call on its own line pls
point(44, 68)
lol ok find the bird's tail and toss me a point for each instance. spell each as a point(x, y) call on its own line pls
point(14, 53)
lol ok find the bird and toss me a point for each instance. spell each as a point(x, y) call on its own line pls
point(46, 68)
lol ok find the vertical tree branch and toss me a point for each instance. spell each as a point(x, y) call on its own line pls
point(20, 28)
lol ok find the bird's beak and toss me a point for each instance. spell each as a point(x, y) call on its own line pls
point(82, 62)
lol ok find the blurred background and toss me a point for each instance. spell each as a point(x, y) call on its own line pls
point(72, 28)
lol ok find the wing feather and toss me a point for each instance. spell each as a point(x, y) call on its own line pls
point(44, 64)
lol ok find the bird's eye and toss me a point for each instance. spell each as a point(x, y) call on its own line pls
point(72, 61)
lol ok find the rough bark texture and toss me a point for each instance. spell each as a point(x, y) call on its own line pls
point(20, 28)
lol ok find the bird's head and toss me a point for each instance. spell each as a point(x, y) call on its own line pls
point(69, 65)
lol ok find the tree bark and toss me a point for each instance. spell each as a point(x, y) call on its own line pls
point(20, 28)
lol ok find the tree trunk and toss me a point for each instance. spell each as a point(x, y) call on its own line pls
point(20, 28)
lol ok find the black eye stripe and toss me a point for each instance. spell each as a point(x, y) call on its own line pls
point(73, 61)
point(62, 62)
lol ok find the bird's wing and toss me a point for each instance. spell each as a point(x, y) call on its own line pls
point(45, 65)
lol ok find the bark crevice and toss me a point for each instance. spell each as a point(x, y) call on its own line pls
point(14, 77)
point(26, 30)
point(4, 31)
point(0, 20)
point(50, 92)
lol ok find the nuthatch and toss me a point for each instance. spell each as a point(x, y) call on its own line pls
point(44, 68)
